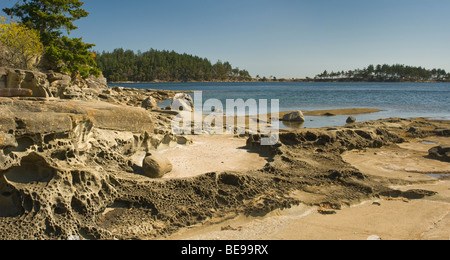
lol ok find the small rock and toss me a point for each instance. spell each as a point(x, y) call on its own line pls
point(374, 238)
point(325, 211)
point(351, 120)
point(73, 238)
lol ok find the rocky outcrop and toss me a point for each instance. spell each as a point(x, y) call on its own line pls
point(440, 153)
point(32, 80)
point(51, 84)
point(57, 85)
point(69, 166)
point(66, 170)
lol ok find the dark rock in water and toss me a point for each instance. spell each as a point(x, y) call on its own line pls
point(15, 92)
point(440, 153)
point(351, 120)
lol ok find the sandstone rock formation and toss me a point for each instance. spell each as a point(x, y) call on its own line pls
point(67, 169)
point(15, 92)
point(440, 153)
point(68, 165)
point(51, 84)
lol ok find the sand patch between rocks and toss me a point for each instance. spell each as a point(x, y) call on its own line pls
point(212, 153)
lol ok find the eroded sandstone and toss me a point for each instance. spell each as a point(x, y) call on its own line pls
point(77, 177)
point(68, 165)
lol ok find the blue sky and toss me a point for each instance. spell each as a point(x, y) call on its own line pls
point(283, 38)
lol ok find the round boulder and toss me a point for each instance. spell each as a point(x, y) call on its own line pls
point(296, 116)
point(156, 165)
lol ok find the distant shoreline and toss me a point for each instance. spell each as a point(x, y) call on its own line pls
point(278, 80)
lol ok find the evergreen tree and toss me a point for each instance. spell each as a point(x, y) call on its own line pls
point(385, 72)
point(121, 65)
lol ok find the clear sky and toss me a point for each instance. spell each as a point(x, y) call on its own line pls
point(283, 38)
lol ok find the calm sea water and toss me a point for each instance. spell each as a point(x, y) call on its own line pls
point(405, 100)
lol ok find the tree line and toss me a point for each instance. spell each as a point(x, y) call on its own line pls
point(396, 73)
point(168, 66)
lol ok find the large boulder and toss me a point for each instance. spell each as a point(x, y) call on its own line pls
point(440, 153)
point(150, 103)
point(182, 102)
point(156, 165)
point(296, 116)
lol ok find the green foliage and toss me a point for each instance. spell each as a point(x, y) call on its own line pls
point(153, 65)
point(23, 46)
point(51, 18)
point(74, 56)
point(386, 72)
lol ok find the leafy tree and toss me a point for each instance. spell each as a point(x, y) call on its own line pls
point(22, 44)
point(52, 18)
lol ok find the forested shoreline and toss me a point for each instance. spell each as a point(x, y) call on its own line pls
point(387, 73)
point(165, 66)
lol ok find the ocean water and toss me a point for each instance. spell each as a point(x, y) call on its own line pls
point(404, 100)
